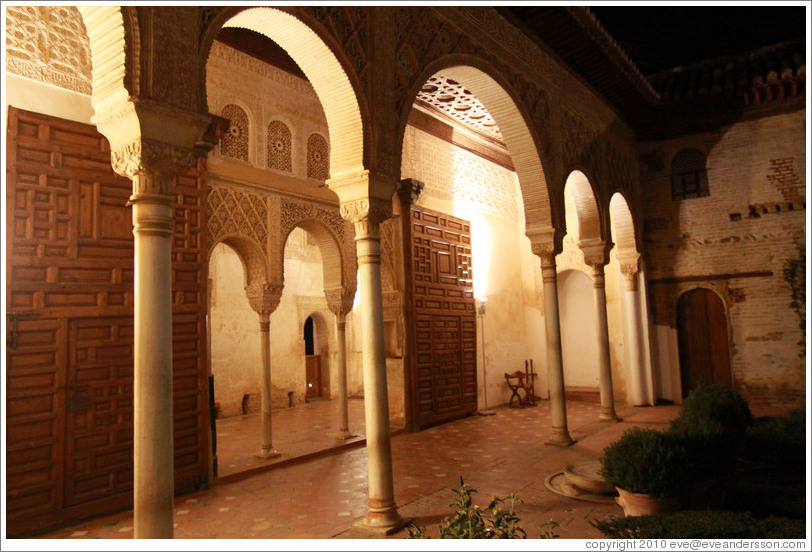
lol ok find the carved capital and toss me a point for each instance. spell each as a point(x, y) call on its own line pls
point(628, 264)
point(340, 300)
point(264, 298)
point(596, 253)
point(409, 191)
point(151, 165)
point(367, 210)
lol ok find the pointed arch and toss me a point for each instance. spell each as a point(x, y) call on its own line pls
point(326, 75)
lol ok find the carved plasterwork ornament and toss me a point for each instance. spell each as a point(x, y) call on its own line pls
point(235, 212)
point(452, 98)
point(545, 244)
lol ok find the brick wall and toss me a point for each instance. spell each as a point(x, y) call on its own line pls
point(736, 241)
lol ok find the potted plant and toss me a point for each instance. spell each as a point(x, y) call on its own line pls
point(648, 468)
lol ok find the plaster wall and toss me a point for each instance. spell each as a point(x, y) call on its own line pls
point(736, 242)
point(236, 363)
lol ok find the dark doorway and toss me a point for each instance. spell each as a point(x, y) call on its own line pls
point(312, 362)
point(704, 352)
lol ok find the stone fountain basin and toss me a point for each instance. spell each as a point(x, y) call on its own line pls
point(586, 476)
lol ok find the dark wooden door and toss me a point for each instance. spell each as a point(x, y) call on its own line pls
point(69, 297)
point(443, 325)
point(704, 352)
point(313, 371)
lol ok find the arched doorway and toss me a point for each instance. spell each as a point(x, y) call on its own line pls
point(312, 361)
point(704, 351)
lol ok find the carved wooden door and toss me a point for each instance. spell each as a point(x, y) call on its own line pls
point(704, 351)
point(69, 354)
point(313, 372)
point(442, 354)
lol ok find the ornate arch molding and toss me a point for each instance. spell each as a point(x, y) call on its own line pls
point(334, 237)
point(624, 233)
point(588, 213)
point(115, 51)
point(323, 60)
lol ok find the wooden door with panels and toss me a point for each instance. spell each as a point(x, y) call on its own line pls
point(69, 335)
point(441, 367)
point(704, 349)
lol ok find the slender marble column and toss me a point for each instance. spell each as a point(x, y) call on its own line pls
point(555, 366)
point(344, 413)
point(267, 450)
point(635, 335)
point(382, 511)
point(604, 363)
point(264, 298)
point(153, 446)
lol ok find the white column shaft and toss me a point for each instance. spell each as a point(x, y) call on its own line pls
point(153, 447)
point(265, 340)
point(604, 361)
point(635, 335)
point(341, 344)
point(555, 366)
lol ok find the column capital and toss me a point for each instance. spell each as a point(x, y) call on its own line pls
point(264, 298)
point(628, 263)
point(409, 191)
point(367, 210)
point(545, 243)
point(151, 165)
point(340, 301)
point(596, 253)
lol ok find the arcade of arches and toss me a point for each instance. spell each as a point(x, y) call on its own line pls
point(321, 201)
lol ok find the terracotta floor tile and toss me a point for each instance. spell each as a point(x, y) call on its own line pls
point(324, 496)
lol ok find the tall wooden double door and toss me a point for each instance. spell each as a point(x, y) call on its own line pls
point(441, 318)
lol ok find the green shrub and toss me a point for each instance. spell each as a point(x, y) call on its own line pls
point(647, 461)
point(777, 433)
point(704, 524)
point(472, 522)
point(711, 450)
point(709, 404)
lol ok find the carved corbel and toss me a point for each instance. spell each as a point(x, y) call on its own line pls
point(596, 254)
point(628, 263)
point(409, 191)
point(264, 298)
point(211, 137)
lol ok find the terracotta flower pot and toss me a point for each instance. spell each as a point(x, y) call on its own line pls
point(636, 504)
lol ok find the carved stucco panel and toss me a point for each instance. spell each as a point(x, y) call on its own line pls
point(49, 44)
point(237, 212)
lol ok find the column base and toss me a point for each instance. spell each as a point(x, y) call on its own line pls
point(383, 521)
point(266, 454)
point(608, 415)
point(344, 434)
point(560, 437)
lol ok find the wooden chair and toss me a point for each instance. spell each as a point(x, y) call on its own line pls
point(525, 381)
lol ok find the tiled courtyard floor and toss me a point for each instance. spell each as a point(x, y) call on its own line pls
point(322, 496)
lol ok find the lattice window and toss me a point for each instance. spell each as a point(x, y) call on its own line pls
point(235, 142)
point(278, 155)
point(317, 158)
point(689, 177)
